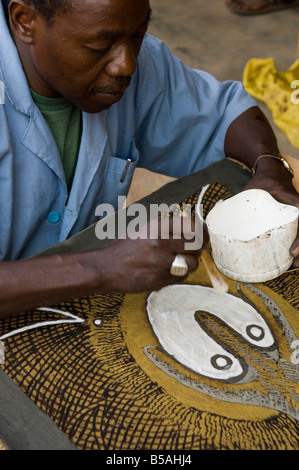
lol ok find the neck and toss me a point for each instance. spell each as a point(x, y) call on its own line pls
point(34, 79)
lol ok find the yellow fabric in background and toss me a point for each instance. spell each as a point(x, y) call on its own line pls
point(263, 81)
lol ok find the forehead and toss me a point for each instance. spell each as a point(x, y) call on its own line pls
point(110, 15)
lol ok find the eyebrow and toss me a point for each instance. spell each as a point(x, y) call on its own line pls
point(116, 34)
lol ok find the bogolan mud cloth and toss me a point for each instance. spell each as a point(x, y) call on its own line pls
point(112, 376)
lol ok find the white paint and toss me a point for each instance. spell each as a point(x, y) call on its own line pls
point(171, 312)
point(72, 319)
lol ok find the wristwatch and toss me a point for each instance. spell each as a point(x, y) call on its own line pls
point(277, 157)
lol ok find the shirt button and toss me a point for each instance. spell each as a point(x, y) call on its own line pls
point(54, 217)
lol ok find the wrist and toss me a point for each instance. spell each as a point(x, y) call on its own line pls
point(272, 163)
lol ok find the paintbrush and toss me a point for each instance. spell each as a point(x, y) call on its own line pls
point(216, 279)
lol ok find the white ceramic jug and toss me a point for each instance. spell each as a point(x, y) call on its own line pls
point(251, 235)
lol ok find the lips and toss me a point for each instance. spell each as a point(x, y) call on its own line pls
point(116, 92)
point(118, 87)
point(110, 93)
point(109, 98)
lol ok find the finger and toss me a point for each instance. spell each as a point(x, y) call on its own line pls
point(177, 234)
point(294, 250)
point(287, 197)
point(180, 246)
point(192, 262)
point(193, 232)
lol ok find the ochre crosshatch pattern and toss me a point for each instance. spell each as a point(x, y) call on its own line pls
point(96, 368)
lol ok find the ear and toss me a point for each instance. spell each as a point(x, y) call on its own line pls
point(22, 20)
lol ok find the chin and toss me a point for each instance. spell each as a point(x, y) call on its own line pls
point(93, 108)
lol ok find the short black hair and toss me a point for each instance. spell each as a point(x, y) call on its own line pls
point(47, 8)
point(5, 4)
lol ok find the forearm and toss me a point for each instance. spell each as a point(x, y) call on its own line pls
point(33, 283)
point(127, 265)
point(249, 136)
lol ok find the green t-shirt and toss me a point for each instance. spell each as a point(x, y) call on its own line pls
point(64, 121)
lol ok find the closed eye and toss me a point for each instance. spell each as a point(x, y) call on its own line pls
point(100, 52)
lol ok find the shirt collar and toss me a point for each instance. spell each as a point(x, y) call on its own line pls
point(11, 70)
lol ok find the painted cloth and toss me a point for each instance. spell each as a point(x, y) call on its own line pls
point(98, 370)
point(64, 121)
point(278, 90)
point(172, 120)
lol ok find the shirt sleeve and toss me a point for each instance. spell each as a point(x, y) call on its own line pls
point(182, 114)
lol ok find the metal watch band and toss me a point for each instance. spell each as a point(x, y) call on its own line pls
point(277, 157)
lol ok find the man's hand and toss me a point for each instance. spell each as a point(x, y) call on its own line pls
point(248, 137)
point(129, 265)
point(144, 263)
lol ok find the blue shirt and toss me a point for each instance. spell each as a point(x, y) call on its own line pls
point(171, 119)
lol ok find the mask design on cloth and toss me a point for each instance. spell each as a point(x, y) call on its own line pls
point(223, 337)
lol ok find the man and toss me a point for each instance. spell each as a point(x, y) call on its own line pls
point(88, 97)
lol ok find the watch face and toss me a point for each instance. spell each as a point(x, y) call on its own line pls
point(287, 165)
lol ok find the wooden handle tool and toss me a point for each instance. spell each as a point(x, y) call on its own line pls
point(217, 281)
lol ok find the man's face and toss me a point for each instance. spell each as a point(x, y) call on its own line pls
point(89, 54)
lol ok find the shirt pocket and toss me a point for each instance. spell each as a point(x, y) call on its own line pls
point(118, 177)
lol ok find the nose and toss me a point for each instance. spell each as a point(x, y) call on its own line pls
point(123, 63)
